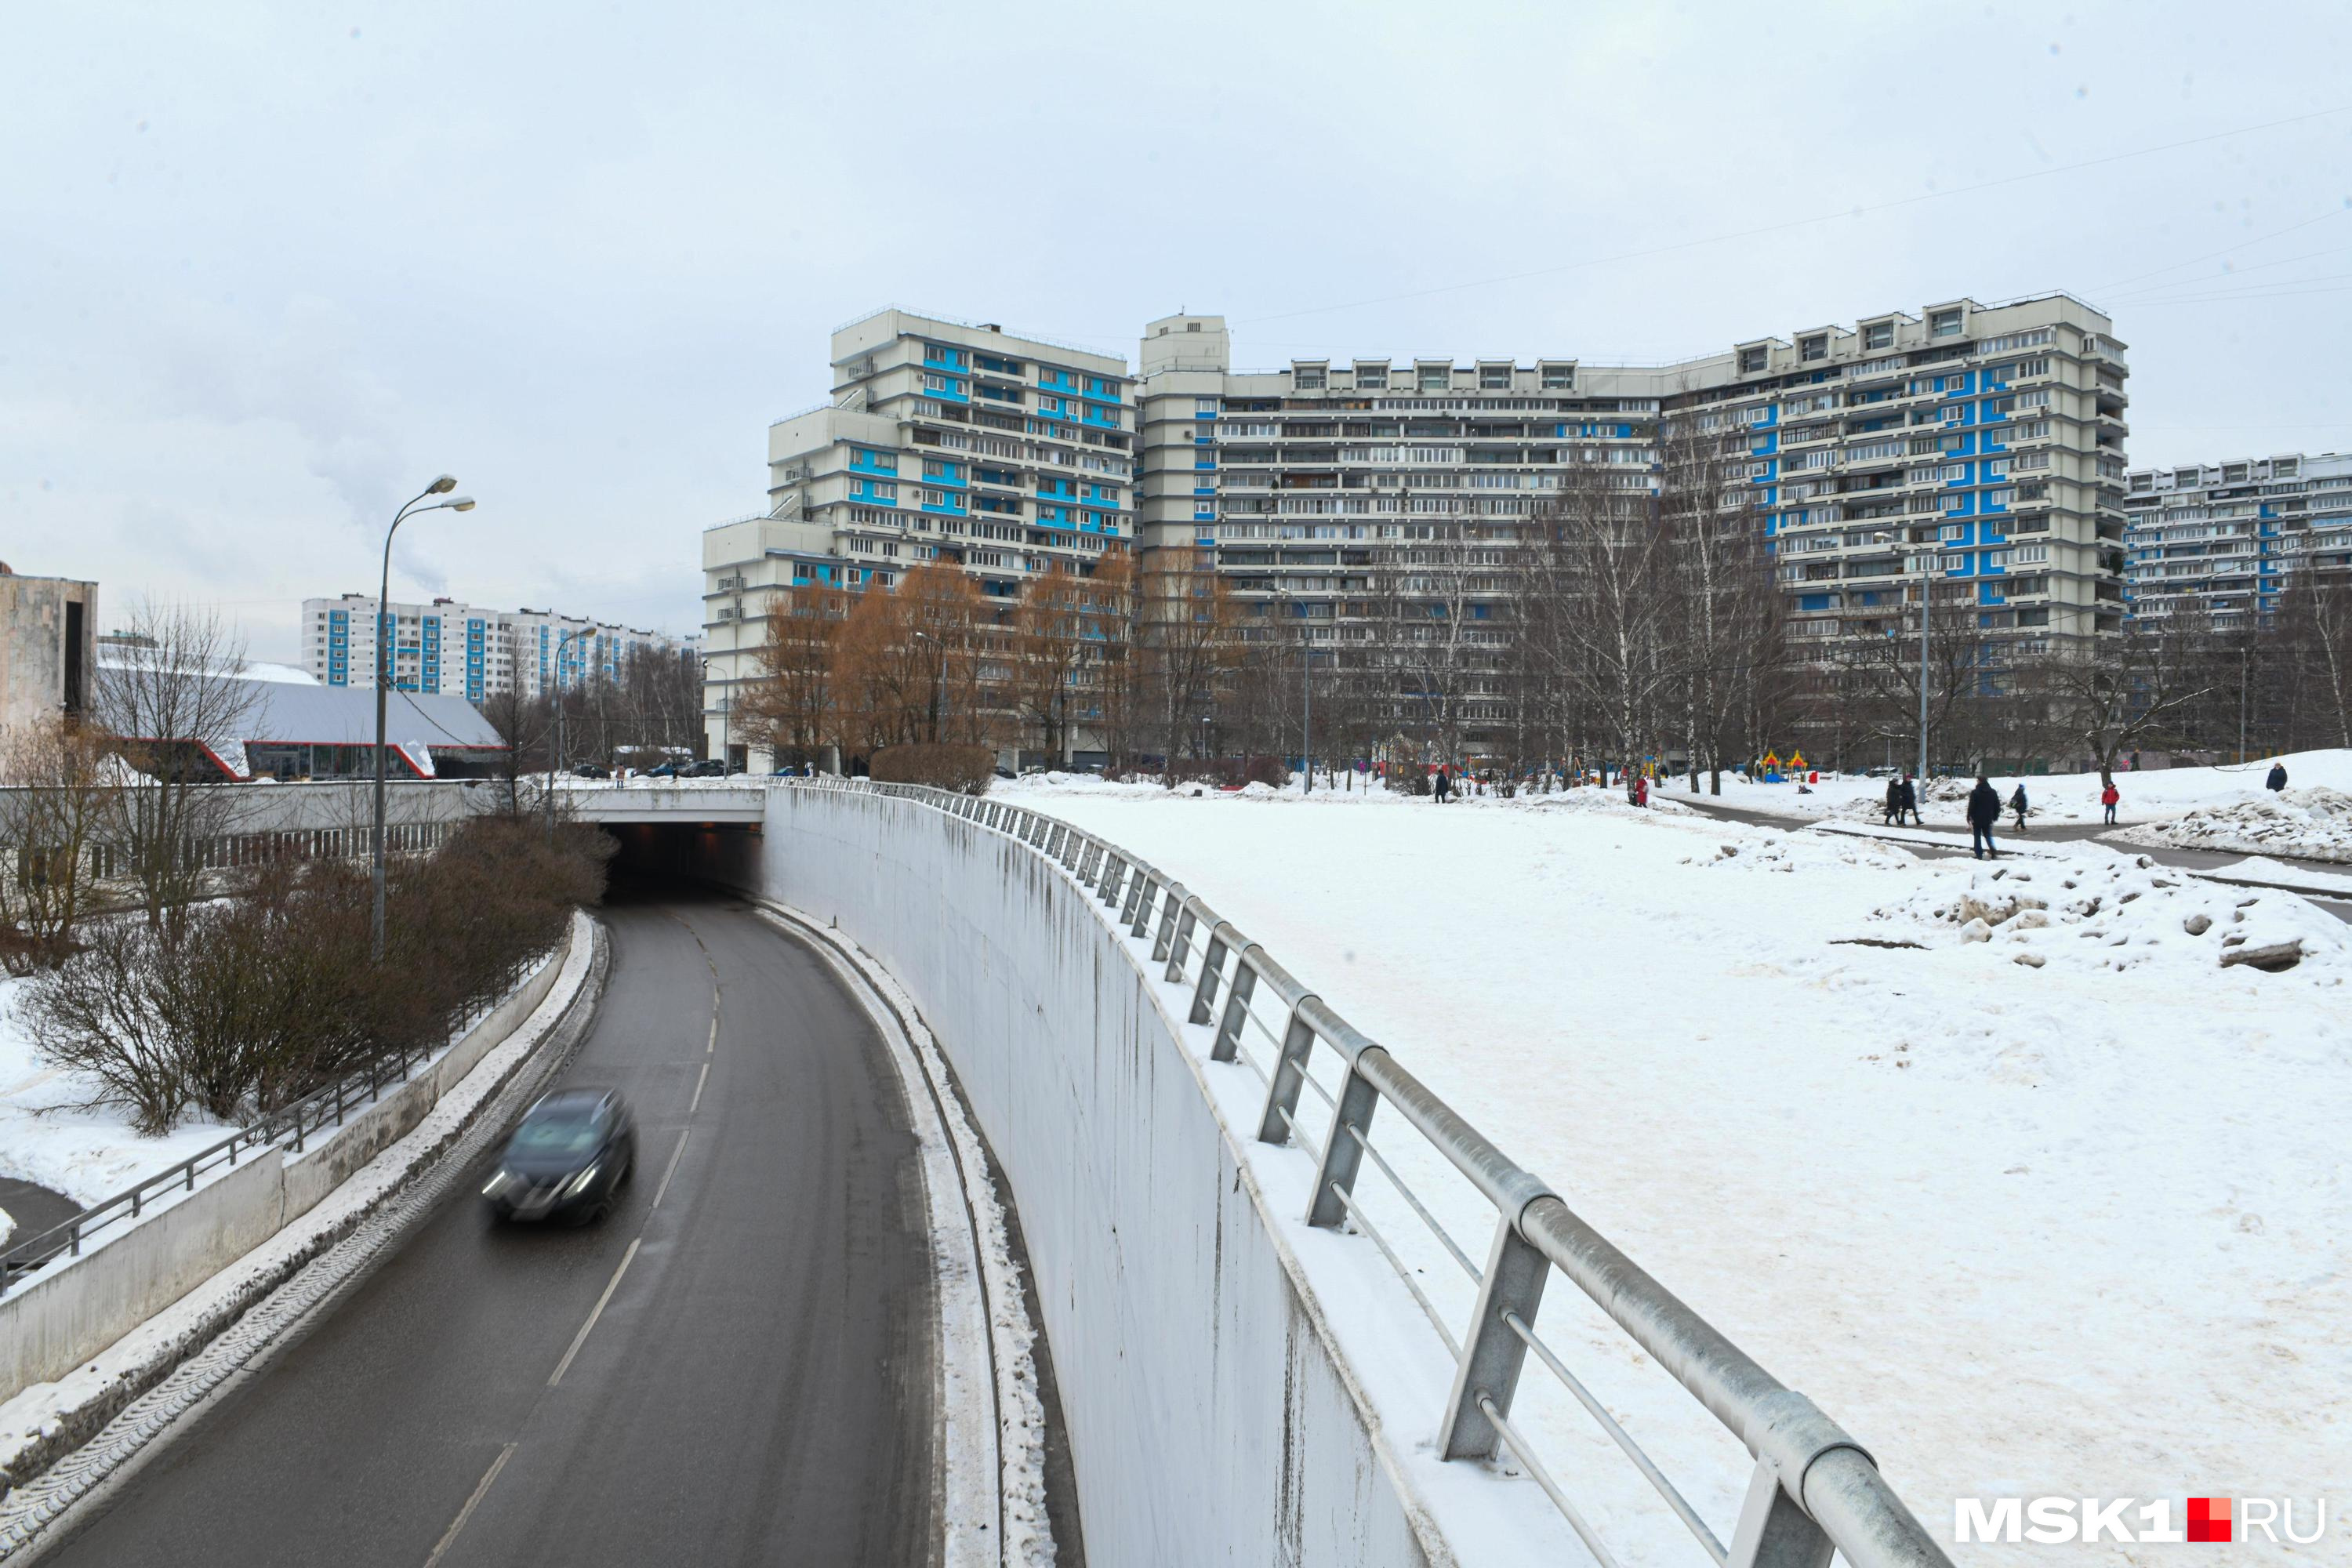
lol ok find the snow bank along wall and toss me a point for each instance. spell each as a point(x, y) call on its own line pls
point(1208, 1418)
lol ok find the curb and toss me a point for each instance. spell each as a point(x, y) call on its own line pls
point(81, 1447)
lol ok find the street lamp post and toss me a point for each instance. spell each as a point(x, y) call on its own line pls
point(555, 758)
point(1927, 591)
point(384, 638)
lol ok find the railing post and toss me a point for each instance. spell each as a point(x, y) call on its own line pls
point(1237, 1001)
point(1774, 1532)
point(1204, 995)
point(1289, 1077)
point(1180, 946)
point(1136, 914)
point(1493, 1351)
point(1342, 1153)
point(1170, 898)
point(1114, 873)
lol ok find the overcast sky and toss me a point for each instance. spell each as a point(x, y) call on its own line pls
point(265, 271)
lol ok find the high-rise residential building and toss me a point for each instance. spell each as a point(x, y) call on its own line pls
point(2221, 539)
point(944, 441)
point(466, 650)
point(1992, 434)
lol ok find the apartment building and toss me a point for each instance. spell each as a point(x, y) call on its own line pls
point(1980, 443)
point(446, 646)
point(943, 441)
point(2222, 540)
point(49, 646)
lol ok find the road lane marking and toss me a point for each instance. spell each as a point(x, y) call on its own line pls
point(713, 1046)
point(700, 1078)
point(581, 1337)
point(466, 1512)
point(676, 1156)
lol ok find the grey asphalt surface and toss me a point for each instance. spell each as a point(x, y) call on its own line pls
point(757, 1388)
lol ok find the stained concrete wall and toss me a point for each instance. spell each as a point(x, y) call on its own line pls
point(35, 662)
point(1212, 1418)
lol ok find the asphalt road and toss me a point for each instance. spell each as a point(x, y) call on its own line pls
point(746, 1367)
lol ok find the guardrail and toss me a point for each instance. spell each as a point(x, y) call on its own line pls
point(1814, 1490)
point(290, 1127)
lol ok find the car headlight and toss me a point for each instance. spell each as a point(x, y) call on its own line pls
point(499, 1181)
point(578, 1184)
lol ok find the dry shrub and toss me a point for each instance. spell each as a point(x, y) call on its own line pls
point(252, 1000)
point(941, 765)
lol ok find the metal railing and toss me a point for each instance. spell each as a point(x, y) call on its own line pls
point(290, 1127)
point(1814, 1490)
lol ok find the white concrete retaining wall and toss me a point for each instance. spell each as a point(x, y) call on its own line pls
point(1212, 1418)
point(135, 1269)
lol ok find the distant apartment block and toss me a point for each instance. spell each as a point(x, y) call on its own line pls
point(464, 650)
point(1982, 444)
point(49, 646)
point(2222, 541)
point(944, 441)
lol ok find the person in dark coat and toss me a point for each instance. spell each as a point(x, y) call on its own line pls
point(1907, 800)
point(1894, 801)
point(2017, 804)
point(2277, 781)
point(1443, 787)
point(1984, 811)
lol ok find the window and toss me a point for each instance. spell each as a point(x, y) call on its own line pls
point(1878, 335)
point(1436, 378)
point(1306, 380)
point(1815, 347)
point(2029, 555)
point(1559, 377)
point(1955, 532)
point(1752, 361)
point(1495, 376)
point(1954, 412)
point(1944, 324)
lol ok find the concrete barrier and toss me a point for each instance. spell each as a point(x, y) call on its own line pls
point(1211, 1414)
point(74, 1310)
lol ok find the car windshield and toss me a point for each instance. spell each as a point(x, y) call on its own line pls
point(566, 1131)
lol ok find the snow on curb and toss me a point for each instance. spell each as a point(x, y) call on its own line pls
point(145, 1381)
point(1010, 1348)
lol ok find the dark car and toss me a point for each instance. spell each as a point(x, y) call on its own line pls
point(662, 771)
point(568, 1157)
point(591, 771)
point(708, 768)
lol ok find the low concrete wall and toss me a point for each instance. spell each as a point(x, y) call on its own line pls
point(1211, 1417)
point(71, 1312)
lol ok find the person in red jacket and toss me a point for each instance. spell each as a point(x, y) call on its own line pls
point(2107, 798)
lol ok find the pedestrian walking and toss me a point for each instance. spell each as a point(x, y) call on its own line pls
point(1894, 801)
point(1984, 811)
point(1906, 800)
point(1443, 787)
point(2107, 798)
point(2277, 781)
point(1641, 789)
point(2017, 804)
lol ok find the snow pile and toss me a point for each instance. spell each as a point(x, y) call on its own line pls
point(1944, 793)
point(2111, 912)
point(7, 1228)
point(1803, 852)
point(48, 1139)
point(2313, 824)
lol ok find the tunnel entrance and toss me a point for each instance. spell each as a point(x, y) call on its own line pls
point(671, 854)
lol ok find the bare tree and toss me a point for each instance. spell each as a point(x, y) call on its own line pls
point(2132, 689)
point(1601, 605)
point(61, 780)
point(792, 709)
point(2315, 626)
point(173, 698)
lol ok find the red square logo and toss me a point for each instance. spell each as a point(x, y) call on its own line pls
point(2209, 1519)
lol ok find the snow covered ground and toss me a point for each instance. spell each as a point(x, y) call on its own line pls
point(2008, 1172)
point(87, 1154)
point(2313, 823)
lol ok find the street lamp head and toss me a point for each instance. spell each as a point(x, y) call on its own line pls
point(463, 503)
point(442, 486)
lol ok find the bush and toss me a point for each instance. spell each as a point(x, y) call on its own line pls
point(250, 1002)
point(966, 769)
